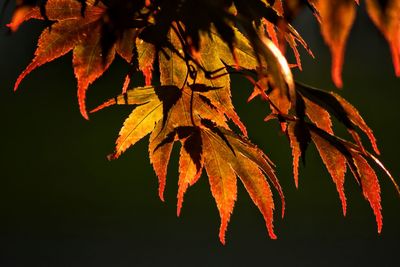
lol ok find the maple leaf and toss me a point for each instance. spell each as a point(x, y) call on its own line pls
point(196, 45)
point(337, 18)
point(356, 159)
point(338, 107)
point(224, 155)
point(336, 154)
point(72, 31)
point(204, 145)
point(335, 162)
point(386, 16)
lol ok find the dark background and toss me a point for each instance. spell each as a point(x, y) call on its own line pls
point(63, 204)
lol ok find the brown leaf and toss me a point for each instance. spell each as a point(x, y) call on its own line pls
point(125, 45)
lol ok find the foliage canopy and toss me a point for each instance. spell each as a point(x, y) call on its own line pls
point(193, 47)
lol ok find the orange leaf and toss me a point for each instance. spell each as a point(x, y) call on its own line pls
point(55, 43)
point(221, 176)
point(160, 155)
point(357, 120)
point(318, 115)
point(370, 187)
point(337, 19)
point(72, 31)
point(335, 162)
point(299, 138)
point(146, 57)
point(386, 16)
point(124, 46)
point(190, 166)
point(296, 152)
point(89, 64)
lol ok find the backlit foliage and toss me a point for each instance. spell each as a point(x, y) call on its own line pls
point(186, 50)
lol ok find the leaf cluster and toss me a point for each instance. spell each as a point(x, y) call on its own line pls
point(195, 46)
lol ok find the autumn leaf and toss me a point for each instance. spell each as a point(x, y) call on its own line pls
point(146, 57)
point(337, 18)
point(336, 154)
point(370, 187)
point(318, 115)
point(337, 106)
point(186, 51)
point(190, 164)
point(224, 156)
point(299, 139)
point(71, 31)
point(386, 16)
point(335, 162)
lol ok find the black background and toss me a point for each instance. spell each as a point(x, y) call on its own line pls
point(63, 204)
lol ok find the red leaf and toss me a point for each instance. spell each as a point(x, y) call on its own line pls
point(370, 187)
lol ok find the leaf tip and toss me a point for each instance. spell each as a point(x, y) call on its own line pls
point(178, 209)
point(112, 156)
point(337, 66)
point(161, 188)
point(271, 233)
point(104, 105)
point(222, 233)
